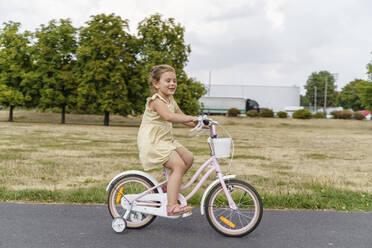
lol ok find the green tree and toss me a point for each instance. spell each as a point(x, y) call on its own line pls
point(56, 45)
point(304, 101)
point(369, 70)
point(319, 81)
point(17, 87)
point(105, 60)
point(366, 96)
point(161, 41)
point(350, 96)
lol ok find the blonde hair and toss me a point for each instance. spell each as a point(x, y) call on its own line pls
point(155, 74)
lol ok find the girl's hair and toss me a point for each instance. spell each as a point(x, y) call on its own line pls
point(156, 73)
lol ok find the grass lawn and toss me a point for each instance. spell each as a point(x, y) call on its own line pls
point(314, 164)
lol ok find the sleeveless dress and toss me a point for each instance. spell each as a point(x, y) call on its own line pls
point(155, 136)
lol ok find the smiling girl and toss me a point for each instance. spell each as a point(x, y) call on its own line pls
point(156, 145)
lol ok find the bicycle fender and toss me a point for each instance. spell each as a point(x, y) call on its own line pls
point(215, 182)
point(135, 172)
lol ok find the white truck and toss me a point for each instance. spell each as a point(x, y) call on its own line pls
point(276, 98)
point(220, 105)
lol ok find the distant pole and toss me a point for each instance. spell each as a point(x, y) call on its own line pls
point(210, 82)
point(325, 96)
point(315, 96)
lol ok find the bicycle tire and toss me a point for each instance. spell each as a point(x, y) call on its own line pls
point(247, 203)
point(113, 196)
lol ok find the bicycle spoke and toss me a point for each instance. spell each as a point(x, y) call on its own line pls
point(250, 217)
point(241, 197)
point(240, 219)
point(225, 210)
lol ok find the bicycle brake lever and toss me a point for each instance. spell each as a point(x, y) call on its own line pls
point(199, 125)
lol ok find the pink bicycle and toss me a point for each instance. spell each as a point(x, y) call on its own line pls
point(233, 207)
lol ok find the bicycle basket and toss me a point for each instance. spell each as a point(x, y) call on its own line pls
point(222, 147)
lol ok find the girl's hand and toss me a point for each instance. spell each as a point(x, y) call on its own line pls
point(195, 120)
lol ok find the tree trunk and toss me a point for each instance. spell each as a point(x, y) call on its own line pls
point(107, 118)
point(11, 113)
point(63, 114)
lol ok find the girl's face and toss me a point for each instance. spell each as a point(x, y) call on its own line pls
point(167, 84)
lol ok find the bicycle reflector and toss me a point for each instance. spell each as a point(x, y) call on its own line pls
point(227, 222)
point(120, 194)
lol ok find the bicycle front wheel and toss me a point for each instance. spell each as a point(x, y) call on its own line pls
point(129, 184)
point(229, 222)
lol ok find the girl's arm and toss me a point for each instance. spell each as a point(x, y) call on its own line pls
point(190, 124)
point(161, 108)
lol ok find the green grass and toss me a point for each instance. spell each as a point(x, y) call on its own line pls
point(316, 156)
point(322, 197)
point(246, 156)
point(89, 195)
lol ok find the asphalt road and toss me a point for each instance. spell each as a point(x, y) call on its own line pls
point(50, 225)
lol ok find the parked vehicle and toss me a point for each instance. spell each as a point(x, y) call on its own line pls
point(366, 114)
point(220, 105)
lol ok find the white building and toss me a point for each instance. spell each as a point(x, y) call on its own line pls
point(277, 98)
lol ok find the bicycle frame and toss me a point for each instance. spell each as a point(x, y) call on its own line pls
point(211, 163)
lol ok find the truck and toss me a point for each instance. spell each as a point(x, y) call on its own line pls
point(220, 105)
point(276, 98)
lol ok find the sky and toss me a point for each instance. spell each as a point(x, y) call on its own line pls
point(245, 42)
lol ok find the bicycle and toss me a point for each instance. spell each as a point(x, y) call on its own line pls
point(232, 207)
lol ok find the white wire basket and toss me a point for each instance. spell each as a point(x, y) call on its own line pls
point(222, 147)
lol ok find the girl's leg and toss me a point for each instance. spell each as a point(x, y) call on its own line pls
point(178, 167)
point(187, 156)
point(188, 159)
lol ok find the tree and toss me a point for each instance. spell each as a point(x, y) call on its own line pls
point(350, 96)
point(319, 81)
point(366, 96)
point(105, 60)
point(56, 47)
point(304, 101)
point(162, 42)
point(17, 87)
point(369, 70)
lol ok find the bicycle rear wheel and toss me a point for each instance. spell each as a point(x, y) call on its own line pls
point(229, 222)
point(129, 184)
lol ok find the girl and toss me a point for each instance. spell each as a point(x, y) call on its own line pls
point(155, 141)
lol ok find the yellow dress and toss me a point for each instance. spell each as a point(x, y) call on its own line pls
point(155, 136)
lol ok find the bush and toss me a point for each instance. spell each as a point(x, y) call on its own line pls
point(302, 114)
point(358, 116)
point(319, 115)
point(266, 113)
point(233, 112)
point(344, 114)
point(336, 114)
point(252, 113)
point(282, 114)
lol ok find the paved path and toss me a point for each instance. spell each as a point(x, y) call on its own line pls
point(49, 225)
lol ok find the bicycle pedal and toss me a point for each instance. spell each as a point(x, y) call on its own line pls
point(187, 214)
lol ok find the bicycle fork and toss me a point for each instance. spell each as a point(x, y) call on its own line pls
point(232, 204)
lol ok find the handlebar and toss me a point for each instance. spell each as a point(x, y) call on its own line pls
point(202, 120)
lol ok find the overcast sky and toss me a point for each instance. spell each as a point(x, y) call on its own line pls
point(256, 42)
